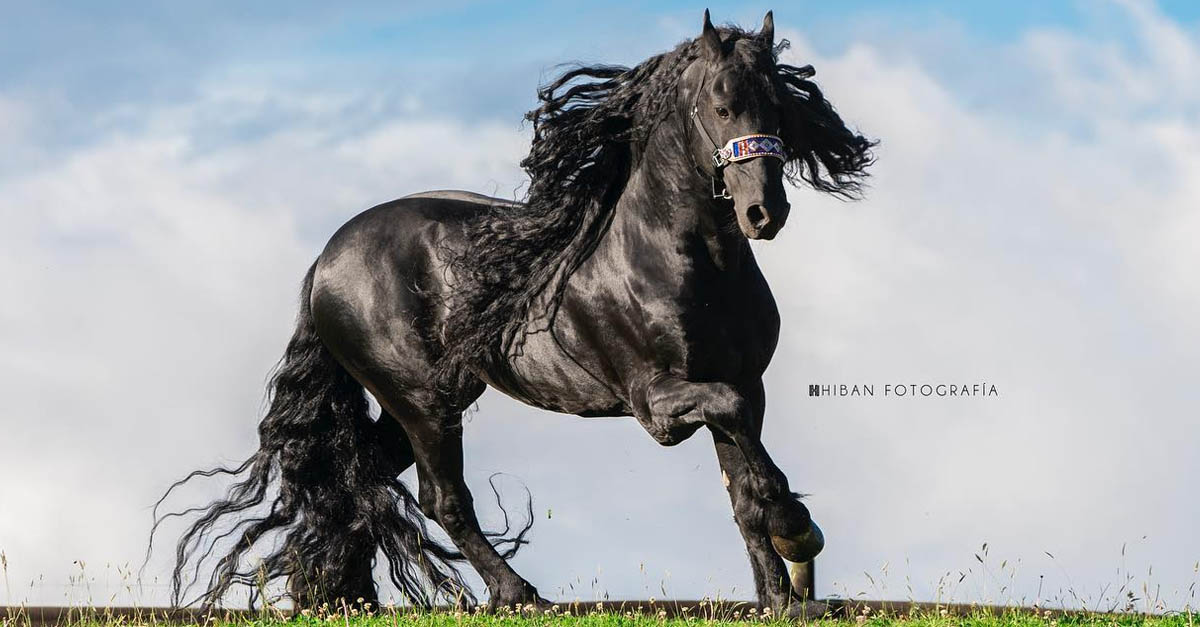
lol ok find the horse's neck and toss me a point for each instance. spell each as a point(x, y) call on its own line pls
point(667, 210)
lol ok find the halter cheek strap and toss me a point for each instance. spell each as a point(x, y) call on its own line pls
point(737, 149)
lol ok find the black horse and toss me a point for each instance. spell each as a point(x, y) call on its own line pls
point(623, 285)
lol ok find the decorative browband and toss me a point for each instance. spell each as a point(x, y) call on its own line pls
point(749, 147)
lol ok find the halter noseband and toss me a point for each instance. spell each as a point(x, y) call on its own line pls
point(742, 148)
point(748, 147)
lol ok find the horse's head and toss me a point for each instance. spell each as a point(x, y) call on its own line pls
point(735, 126)
point(755, 123)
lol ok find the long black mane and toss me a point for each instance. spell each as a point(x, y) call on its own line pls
point(588, 129)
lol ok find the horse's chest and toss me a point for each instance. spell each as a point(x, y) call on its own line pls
point(716, 329)
point(612, 331)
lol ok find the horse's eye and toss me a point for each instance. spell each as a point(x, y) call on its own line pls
point(722, 112)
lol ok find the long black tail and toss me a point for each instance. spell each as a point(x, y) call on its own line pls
point(320, 497)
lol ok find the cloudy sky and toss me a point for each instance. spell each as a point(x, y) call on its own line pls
point(168, 172)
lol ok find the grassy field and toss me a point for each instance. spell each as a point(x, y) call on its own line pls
point(616, 616)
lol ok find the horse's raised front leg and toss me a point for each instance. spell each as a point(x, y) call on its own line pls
point(771, 518)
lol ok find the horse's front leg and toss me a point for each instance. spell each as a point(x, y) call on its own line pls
point(771, 518)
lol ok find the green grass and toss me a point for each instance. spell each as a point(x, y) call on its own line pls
point(617, 617)
point(595, 619)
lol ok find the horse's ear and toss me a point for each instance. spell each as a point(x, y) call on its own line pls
point(768, 28)
point(712, 41)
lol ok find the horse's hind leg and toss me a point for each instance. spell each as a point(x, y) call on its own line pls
point(437, 446)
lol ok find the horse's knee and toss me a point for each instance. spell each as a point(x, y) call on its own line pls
point(674, 409)
point(669, 434)
point(727, 409)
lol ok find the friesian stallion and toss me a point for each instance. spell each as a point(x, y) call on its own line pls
point(623, 285)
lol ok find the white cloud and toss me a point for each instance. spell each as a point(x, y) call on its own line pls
point(1053, 266)
point(155, 284)
point(155, 273)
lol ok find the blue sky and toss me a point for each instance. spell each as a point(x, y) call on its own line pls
point(96, 57)
point(170, 171)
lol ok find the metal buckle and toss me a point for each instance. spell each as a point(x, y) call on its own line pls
point(719, 190)
point(719, 160)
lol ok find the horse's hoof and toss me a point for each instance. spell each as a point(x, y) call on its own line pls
point(810, 610)
point(525, 598)
point(800, 548)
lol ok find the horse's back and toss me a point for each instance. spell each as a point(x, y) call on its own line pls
point(456, 195)
point(410, 232)
point(406, 225)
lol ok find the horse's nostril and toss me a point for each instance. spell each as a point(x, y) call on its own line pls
point(757, 216)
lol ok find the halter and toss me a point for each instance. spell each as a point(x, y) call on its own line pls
point(742, 148)
point(748, 147)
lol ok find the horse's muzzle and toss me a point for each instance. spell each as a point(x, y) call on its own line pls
point(762, 220)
